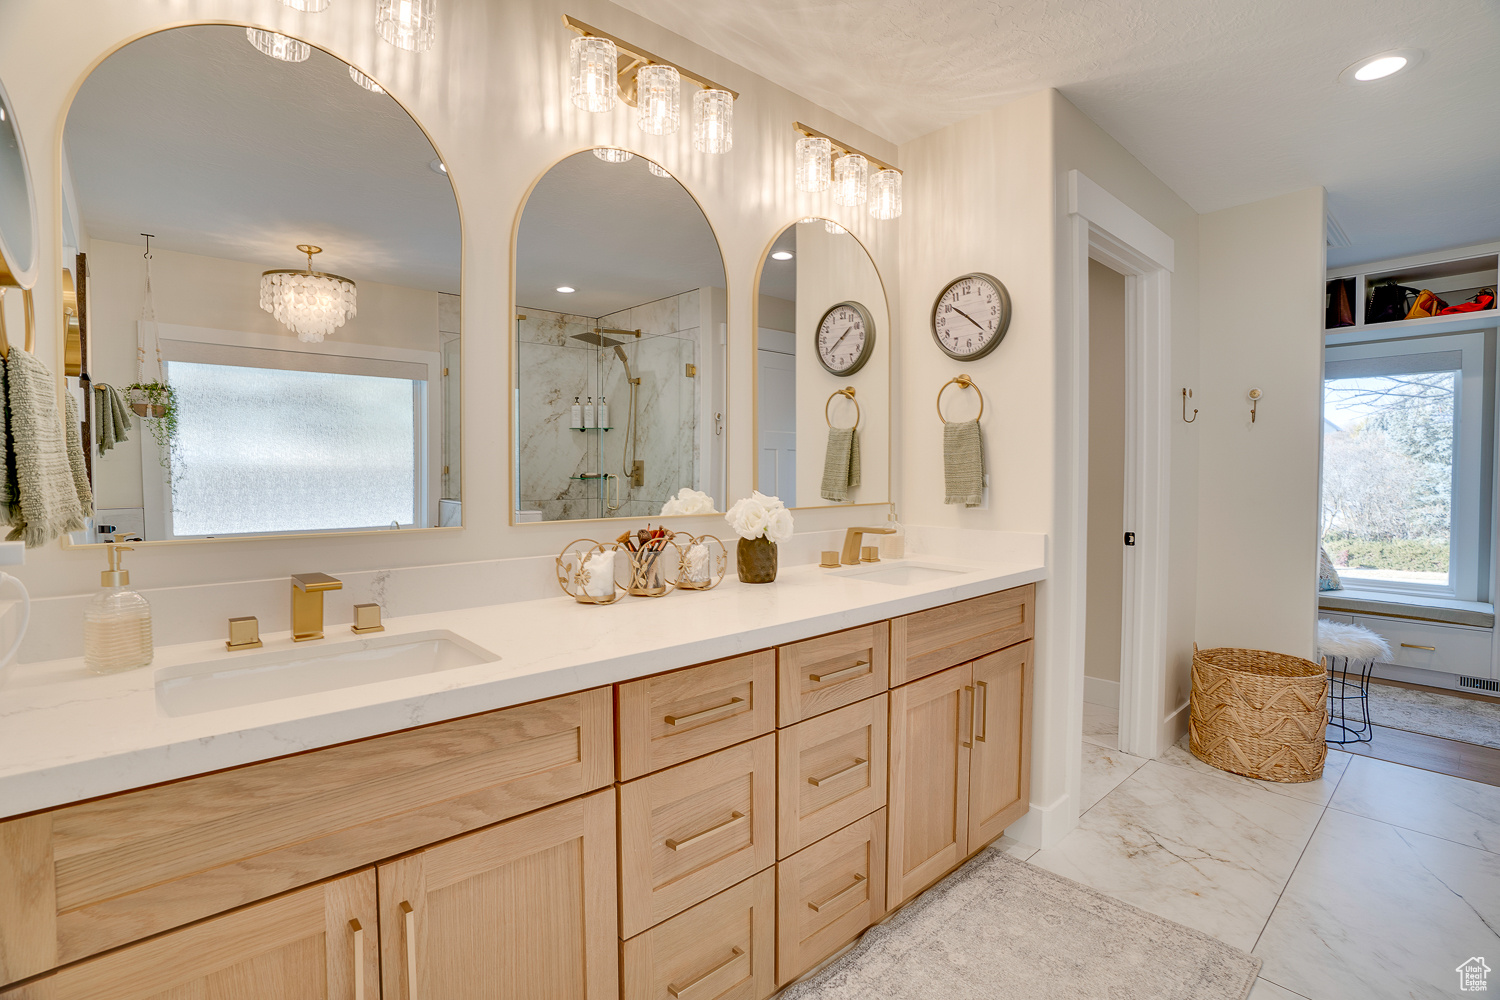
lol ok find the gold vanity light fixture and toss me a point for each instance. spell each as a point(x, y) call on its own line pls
point(612, 154)
point(602, 67)
point(657, 170)
point(365, 81)
point(310, 303)
point(279, 46)
point(406, 24)
point(849, 175)
point(307, 6)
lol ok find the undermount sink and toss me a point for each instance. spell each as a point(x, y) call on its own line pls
point(904, 573)
point(252, 678)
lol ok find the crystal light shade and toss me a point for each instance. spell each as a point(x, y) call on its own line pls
point(309, 303)
point(406, 24)
point(365, 81)
point(278, 46)
point(885, 195)
point(657, 170)
point(813, 159)
point(713, 121)
point(592, 64)
point(851, 174)
point(307, 6)
point(833, 228)
point(658, 97)
point(610, 154)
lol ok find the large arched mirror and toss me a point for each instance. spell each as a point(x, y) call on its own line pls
point(287, 358)
point(18, 227)
point(620, 345)
point(823, 370)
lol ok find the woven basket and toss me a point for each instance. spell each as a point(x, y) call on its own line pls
point(1263, 715)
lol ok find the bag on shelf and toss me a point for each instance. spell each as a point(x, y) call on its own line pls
point(1484, 300)
point(1389, 303)
point(1427, 304)
point(1340, 304)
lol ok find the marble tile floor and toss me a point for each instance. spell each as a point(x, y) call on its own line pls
point(1377, 881)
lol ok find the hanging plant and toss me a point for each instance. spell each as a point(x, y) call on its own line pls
point(156, 404)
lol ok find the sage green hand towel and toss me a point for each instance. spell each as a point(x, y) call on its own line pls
point(111, 417)
point(49, 491)
point(963, 463)
point(73, 432)
point(841, 469)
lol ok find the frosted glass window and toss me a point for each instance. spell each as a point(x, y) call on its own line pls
point(262, 449)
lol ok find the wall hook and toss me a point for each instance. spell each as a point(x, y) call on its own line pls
point(149, 238)
point(1187, 394)
point(1255, 395)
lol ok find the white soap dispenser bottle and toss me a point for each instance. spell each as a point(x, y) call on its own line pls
point(117, 622)
point(588, 413)
point(577, 416)
point(601, 415)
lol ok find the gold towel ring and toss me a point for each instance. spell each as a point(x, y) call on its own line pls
point(30, 303)
point(848, 391)
point(963, 382)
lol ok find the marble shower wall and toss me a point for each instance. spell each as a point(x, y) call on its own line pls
point(553, 368)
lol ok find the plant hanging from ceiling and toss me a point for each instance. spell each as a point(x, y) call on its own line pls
point(150, 396)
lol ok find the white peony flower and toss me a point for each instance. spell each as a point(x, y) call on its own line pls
point(758, 516)
point(779, 525)
point(688, 501)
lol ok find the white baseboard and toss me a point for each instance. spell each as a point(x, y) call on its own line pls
point(1043, 826)
point(1175, 726)
point(1098, 691)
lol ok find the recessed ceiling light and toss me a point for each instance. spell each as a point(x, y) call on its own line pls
point(782, 255)
point(439, 166)
point(1378, 67)
point(566, 289)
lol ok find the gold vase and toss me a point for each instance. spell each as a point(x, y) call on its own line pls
point(755, 560)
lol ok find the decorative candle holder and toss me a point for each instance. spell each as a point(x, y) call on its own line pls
point(652, 570)
point(708, 574)
point(573, 575)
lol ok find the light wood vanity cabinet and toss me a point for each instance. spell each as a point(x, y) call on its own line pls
point(929, 641)
point(522, 909)
point(830, 772)
point(827, 894)
point(831, 671)
point(312, 944)
point(670, 718)
point(721, 949)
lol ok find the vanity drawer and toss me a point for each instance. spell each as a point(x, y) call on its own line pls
point(832, 671)
point(1452, 649)
point(934, 640)
point(691, 830)
point(828, 894)
point(721, 949)
point(830, 772)
point(670, 718)
point(81, 879)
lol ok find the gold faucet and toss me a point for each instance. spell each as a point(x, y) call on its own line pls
point(852, 539)
point(307, 604)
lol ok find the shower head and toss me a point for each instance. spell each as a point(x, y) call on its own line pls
point(595, 339)
point(629, 376)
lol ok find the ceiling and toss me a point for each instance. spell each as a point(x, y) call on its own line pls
point(616, 233)
point(778, 278)
point(194, 136)
point(1227, 101)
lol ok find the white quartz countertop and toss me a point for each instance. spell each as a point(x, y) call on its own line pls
point(68, 735)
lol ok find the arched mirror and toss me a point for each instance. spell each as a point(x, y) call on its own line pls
point(286, 358)
point(620, 346)
point(18, 227)
point(823, 370)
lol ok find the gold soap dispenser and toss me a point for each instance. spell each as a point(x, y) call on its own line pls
point(117, 622)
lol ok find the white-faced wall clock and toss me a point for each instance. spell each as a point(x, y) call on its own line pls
point(846, 338)
point(970, 317)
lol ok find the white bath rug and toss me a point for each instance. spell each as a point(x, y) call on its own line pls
point(1001, 929)
point(1435, 713)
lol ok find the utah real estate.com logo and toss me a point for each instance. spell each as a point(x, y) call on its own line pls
point(1472, 976)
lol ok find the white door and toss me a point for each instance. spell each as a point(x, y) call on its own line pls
point(777, 432)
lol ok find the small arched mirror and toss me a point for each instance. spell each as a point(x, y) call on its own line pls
point(620, 347)
point(823, 370)
point(18, 226)
point(286, 359)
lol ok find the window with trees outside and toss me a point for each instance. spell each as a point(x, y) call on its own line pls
point(1406, 495)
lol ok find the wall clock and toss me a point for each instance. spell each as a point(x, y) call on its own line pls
point(970, 317)
point(846, 338)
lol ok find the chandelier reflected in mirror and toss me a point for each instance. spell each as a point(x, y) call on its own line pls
point(310, 303)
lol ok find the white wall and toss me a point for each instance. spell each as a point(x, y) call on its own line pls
point(493, 97)
point(1258, 515)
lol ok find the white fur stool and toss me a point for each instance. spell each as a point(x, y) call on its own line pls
point(1357, 648)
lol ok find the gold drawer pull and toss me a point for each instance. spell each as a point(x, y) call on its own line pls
point(410, 916)
point(359, 959)
point(980, 714)
point(1407, 645)
point(859, 880)
point(678, 991)
point(859, 762)
point(734, 819)
point(687, 720)
point(837, 674)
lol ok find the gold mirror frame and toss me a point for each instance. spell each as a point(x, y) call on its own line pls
point(463, 444)
point(890, 375)
point(513, 353)
point(15, 273)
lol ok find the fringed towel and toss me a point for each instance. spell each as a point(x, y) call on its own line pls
point(73, 432)
point(963, 463)
point(49, 494)
point(111, 415)
point(841, 464)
